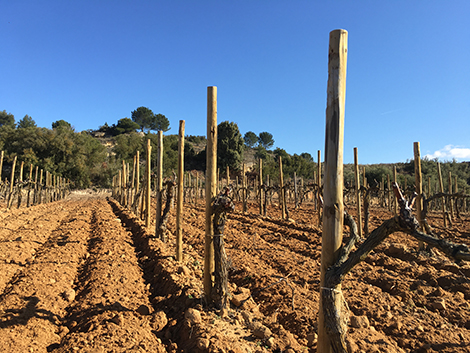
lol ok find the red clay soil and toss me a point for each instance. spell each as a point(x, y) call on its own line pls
point(84, 275)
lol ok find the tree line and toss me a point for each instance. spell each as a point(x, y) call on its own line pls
point(91, 161)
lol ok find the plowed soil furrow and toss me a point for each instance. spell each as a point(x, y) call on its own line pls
point(112, 310)
point(23, 232)
point(33, 305)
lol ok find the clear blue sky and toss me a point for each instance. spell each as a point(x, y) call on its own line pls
point(91, 62)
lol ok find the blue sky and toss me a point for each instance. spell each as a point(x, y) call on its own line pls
point(91, 62)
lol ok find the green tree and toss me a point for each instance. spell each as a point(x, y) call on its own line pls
point(250, 138)
point(7, 119)
point(261, 153)
point(230, 146)
point(143, 116)
point(127, 145)
point(61, 124)
point(125, 125)
point(266, 140)
point(149, 121)
point(26, 122)
point(160, 123)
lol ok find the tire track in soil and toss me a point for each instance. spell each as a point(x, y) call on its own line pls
point(112, 312)
point(33, 305)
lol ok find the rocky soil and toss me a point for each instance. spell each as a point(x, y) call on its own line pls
point(84, 275)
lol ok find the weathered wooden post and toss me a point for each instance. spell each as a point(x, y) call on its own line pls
point(389, 194)
point(211, 188)
point(282, 196)
point(261, 193)
point(319, 209)
point(12, 181)
point(159, 186)
point(21, 171)
point(137, 182)
point(245, 186)
point(358, 193)
point(132, 194)
point(197, 188)
point(148, 191)
point(35, 200)
point(333, 208)
point(395, 180)
point(120, 186)
point(228, 176)
point(364, 178)
point(295, 191)
point(40, 186)
point(1, 164)
point(451, 202)
point(124, 186)
point(30, 180)
point(456, 190)
point(419, 191)
point(179, 198)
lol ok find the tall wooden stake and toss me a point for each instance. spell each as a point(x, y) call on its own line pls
point(148, 192)
point(282, 196)
point(358, 192)
point(179, 198)
point(211, 188)
point(137, 182)
point(419, 190)
point(245, 186)
point(451, 202)
point(319, 209)
point(333, 208)
point(159, 186)
point(395, 180)
point(12, 181)
point(261, 193)
point(1, 165)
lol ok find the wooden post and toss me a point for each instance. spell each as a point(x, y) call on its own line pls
point(132, 195)
point(137, 182)
point(40, 187)
point(197, 188)
point(261, 194)
point(456, 190)
point(295, 190)
point(179, 199)
point(244, 185)
point(395, 203)
point(21, 171)
point(120, 185)
point(30, 180)
point(1, 165)
point(124, 186)
point(228, 176)
point(333, 208)
point(211, 188)
point(358, 193)
point(36, 187)
point(159, 186)
point(419, 190)
point(282, 196)
point(12, 181)
point(319, 209)
point(389, 200)
point(441, 189)
point(148, 192)
point(451, 202)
